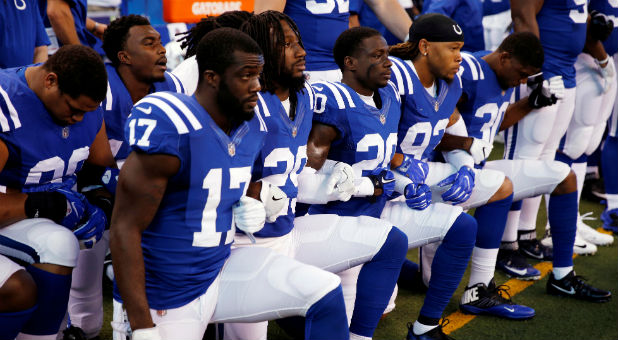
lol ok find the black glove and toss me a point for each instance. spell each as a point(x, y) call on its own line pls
point(540, 96)
point(600, 26)
point(46, 204)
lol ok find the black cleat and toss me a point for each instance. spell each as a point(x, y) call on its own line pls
point(531, 247)
point(492, 300)
point(73, 333)
point(575, 286)
point(434, 334)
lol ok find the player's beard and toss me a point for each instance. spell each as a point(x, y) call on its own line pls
point(232, 106)
point(294, 84)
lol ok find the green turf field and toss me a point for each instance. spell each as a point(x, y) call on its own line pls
point(557, 318)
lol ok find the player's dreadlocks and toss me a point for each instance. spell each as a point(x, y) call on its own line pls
point(406, 50)
point(231, 19)
point(265, 28)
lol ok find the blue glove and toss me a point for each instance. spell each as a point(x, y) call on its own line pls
point(384, 179)
point(90, 231)
point(414, 169)
point(110, 179)
point(462, 183)
point(418, 196)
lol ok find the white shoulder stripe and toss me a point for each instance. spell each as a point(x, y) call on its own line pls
point(259, 117)
point(395, 90)
point(311, 94)
point(177, 84)
point(182, 107)
point(108, 98)
point(471, 65)
point(12, 111)
point(264, 106)
point(336, 94)
point(346, 93)
point(181, 127)
point(405, 74)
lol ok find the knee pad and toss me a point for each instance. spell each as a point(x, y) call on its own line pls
point(59, 247)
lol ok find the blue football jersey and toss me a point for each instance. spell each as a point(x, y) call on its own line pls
point(40, 150)
point(609, 8)
point(320, 23)
point(21, 30)
point(562, 29)
point(367, 138)
point(423, 117)
point(491, 7)
point(486, 102)
point(284, 154)
point(468, 14)
point(188, 241)
point(117, 106)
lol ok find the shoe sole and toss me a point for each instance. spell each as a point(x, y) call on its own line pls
point(527, 278)
point(483, 312)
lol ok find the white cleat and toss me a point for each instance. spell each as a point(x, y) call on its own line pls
point(590, 234)
point(580, 247)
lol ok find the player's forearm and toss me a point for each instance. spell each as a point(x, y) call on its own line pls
point(12, 208)
point(62, 22)
point(595, 49)
point(515, 112)
point(523, 13)
point(128, 263)
point(451, 142)
point(40, 54)
point(392, 16)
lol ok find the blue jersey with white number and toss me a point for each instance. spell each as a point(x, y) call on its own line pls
point(562, 29)
point(117, 106)
point(284, 154)
point(486, 103)
point(366, 139)
point(188, 241)
point(320, 23)
point(423, 117)
point(609, 8)
point(40, 150)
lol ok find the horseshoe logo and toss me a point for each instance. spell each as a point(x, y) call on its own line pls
point(457, 29)
point(22, 6)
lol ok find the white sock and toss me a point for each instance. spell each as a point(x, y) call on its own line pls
point(560, 272)
point(483, 264)
point(419, 328)
point(580, 171)
point(358, 337)
point(529, 210)
point(612, 201)
point(512, 224)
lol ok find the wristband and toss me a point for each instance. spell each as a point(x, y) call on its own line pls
point(52, 205)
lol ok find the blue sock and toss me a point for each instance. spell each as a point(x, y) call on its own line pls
point(609, 162)
point(376, 282)
point(410, 272)
point(562, 214)
point(516, 205)
point(563, 158)
point(11, 323)
point(53, 297)
point(449, 265)
point(326, 319)
point(491, 220)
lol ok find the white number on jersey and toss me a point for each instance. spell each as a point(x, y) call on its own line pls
point(150, 125)
point(577, 16)
point(424, 128)
point(384, 153)
point(489, 128)
point(327, 7)
point(57, 165)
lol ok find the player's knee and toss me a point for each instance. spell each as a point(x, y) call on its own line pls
point(568, 185)
point(60, 248)
point(462, 232)
point(505, 190)
point(395, 246)
point(18, 292)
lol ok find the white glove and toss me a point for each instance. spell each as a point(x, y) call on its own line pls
point(556, 86)
point(147, 334)
point(275, 201)
point(480, 150)
point(340, 184)
point(608, 72)
point(249, 215)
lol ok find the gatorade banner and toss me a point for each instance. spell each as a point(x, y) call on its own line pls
point(191, 11)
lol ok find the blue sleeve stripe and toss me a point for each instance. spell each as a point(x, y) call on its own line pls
point(346, 93)
point(4, 123)
point(182, 107)
point(108, 98)
point(181, 127)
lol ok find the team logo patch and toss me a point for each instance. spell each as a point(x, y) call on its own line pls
point(294, 132)
point(436, 106)
point(382, 119)
point(65, 132)
point(231, 149)
point(457, 29)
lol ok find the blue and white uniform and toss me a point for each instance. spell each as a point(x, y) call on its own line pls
point(117, 107)
point(320, 24)
point(468, 14)
point(496, 22)
point(40, 151)
point(191, 271)
point(21, 30)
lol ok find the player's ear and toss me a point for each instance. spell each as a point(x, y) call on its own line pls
point(504, 57)
point(211, 78)
point(51, 80)
point(124, 58)
point(350, 63)
point(423, 46)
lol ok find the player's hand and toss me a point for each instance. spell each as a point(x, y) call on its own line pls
point(540, 93)
point(416, 170)
point(608, 72)
point(275, 201)
point(249, 215)
point(418, 196)
point(384, 180)
point(461, 182)
point(76, 208)
point(110, 179)
point(91, 230)
point(480, 150)
point(340, 184)
point(600, 27)
point(147, 334)
point(556, 86)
